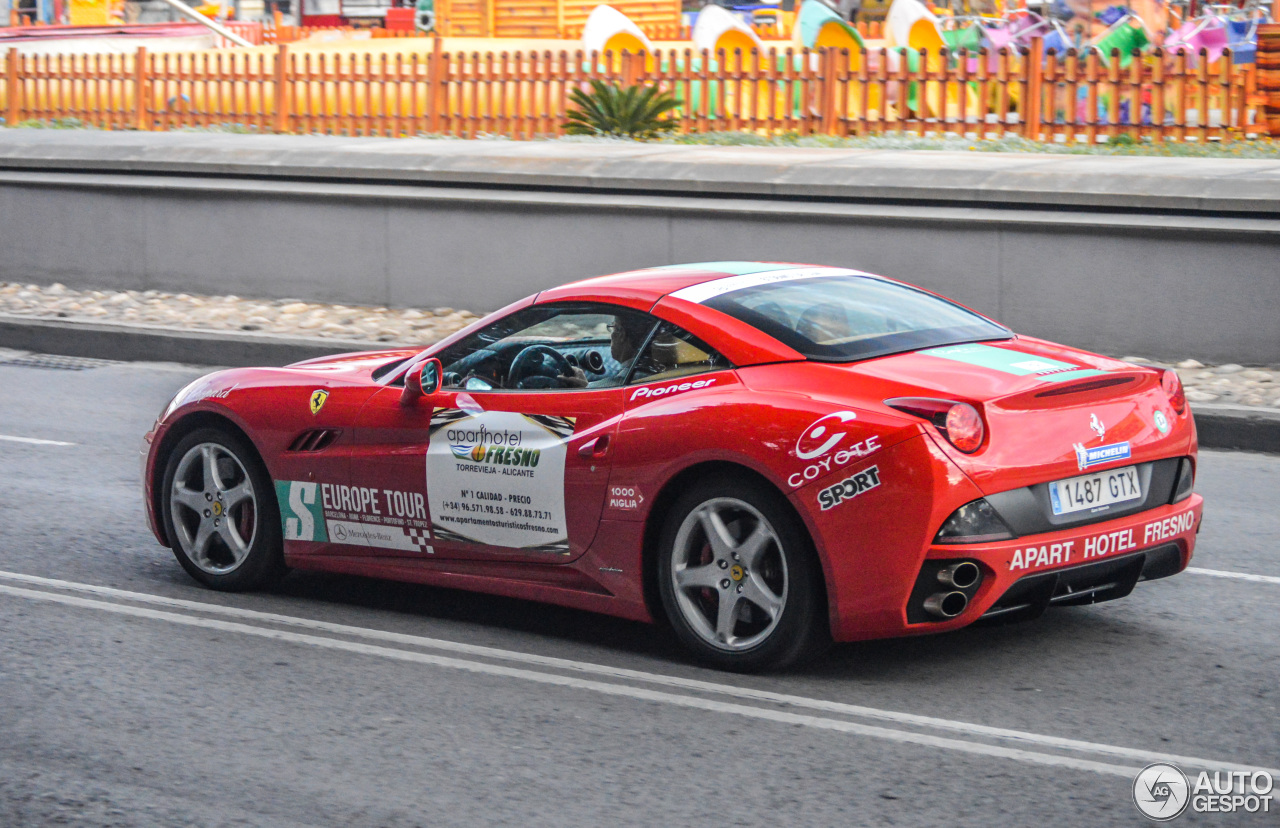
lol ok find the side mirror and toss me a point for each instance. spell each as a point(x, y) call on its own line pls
point(423, 380)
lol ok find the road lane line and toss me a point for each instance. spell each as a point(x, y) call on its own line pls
point(1239, 576)
point(33, 441)
point(1142, 756)
point(623, 690)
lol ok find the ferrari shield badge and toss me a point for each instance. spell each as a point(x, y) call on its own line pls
point(318, 398)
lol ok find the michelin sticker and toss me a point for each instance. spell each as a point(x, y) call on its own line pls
point(497, 478)
point(354, 516)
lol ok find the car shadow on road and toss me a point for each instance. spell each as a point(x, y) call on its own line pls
point(499, 613)
point(1057, 639)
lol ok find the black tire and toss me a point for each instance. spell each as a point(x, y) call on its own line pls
point(257, 561)
point(764, 635)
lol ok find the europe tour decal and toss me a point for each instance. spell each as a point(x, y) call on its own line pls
point(354, 515)
point(497, 478)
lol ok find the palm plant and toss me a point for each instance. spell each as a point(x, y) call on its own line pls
point(621, 111)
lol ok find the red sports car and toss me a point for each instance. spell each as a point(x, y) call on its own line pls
point(769, 456)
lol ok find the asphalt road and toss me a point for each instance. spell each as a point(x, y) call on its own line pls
point(120, 704)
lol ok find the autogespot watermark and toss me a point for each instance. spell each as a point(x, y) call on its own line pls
point(1163, 792)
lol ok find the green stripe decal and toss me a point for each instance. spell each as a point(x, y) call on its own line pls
point(1073, 375)
point(1012, 362)
point(730, 268)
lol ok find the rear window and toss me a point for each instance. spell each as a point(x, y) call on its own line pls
point(841, 318)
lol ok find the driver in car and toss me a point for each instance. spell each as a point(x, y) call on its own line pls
point(626, 335)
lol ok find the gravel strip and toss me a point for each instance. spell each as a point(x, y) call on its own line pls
point(233, 313)
point(1230, 383)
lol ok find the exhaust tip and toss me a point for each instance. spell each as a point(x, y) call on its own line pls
point(961, 576)
point(946, 604)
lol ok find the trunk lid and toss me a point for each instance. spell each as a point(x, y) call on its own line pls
point(1050, 411)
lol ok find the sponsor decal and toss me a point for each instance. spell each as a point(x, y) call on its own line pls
point(719, 287)
point(1161, 422)
point(823, 434)
point(318, 398)
point(204, 388)
point(1168, 528)
point(218, 394)
point(823, 441)
point(650, 391)
point(1010, 361)
point(849, 488)
point(1162, 792)
point(627, 498)
point(497, 478)
point(1039, 366)
point(354, 515)
point(481, 445)
point(1097, 426)
point(1101, 545)
point(1089, 457)
point(301, 514)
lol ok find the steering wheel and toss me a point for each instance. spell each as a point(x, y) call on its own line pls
point(530, 362)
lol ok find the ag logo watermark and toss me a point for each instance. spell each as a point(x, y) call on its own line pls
point(1163, 792)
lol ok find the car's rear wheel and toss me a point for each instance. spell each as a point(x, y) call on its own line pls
point(220, 512)
point(738, 577)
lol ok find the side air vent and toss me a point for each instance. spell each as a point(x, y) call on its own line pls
point(1091, 385)
point(316, 439)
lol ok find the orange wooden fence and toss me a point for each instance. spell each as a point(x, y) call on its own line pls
point(525, 94)
point(1269, 75)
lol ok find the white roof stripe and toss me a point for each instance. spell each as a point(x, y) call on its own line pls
point(718, 287)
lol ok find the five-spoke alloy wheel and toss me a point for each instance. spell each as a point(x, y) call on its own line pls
point(220, 512)
point(738, 578)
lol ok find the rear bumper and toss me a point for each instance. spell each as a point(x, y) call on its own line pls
point(1022, 577)
point(1086, 583)
point(1088, 564)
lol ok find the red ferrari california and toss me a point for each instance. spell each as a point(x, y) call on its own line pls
point(766, 456)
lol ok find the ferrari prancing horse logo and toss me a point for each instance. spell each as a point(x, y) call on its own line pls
point(1097, 426)
point(318, 398)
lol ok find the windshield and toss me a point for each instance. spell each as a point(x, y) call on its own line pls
point(840, 318)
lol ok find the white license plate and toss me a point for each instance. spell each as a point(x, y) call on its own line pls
point(1089, 491)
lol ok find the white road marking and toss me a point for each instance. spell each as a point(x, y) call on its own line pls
point(1140, 757)
point(33, 441)
point(624, 690)
point(1239, 576)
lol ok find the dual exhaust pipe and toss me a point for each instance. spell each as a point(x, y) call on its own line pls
point(959, 577)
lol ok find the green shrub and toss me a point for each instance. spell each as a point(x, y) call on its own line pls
point(621, 111)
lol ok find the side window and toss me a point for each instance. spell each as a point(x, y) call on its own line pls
point(543, 347)
point(674, 352)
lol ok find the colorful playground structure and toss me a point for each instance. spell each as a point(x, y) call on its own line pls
point(1209, 73)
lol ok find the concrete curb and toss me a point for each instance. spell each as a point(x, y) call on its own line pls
point(1238, 427)
point(1219, 426)
point(1211, 186)
point(133, 343)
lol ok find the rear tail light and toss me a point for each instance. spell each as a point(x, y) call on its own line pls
point(959, 422)
point(1172, 386)
point(964, 427)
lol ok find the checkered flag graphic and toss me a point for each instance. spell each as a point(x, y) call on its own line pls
point(420, 538)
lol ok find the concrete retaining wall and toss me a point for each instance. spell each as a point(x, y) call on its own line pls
point(1125, 280)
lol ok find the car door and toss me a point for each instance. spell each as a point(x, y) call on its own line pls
point(493, 465)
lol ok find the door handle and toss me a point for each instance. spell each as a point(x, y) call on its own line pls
point(595, 449)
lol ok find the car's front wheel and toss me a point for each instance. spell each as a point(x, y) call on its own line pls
point(220, 512)
point(738, 577)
